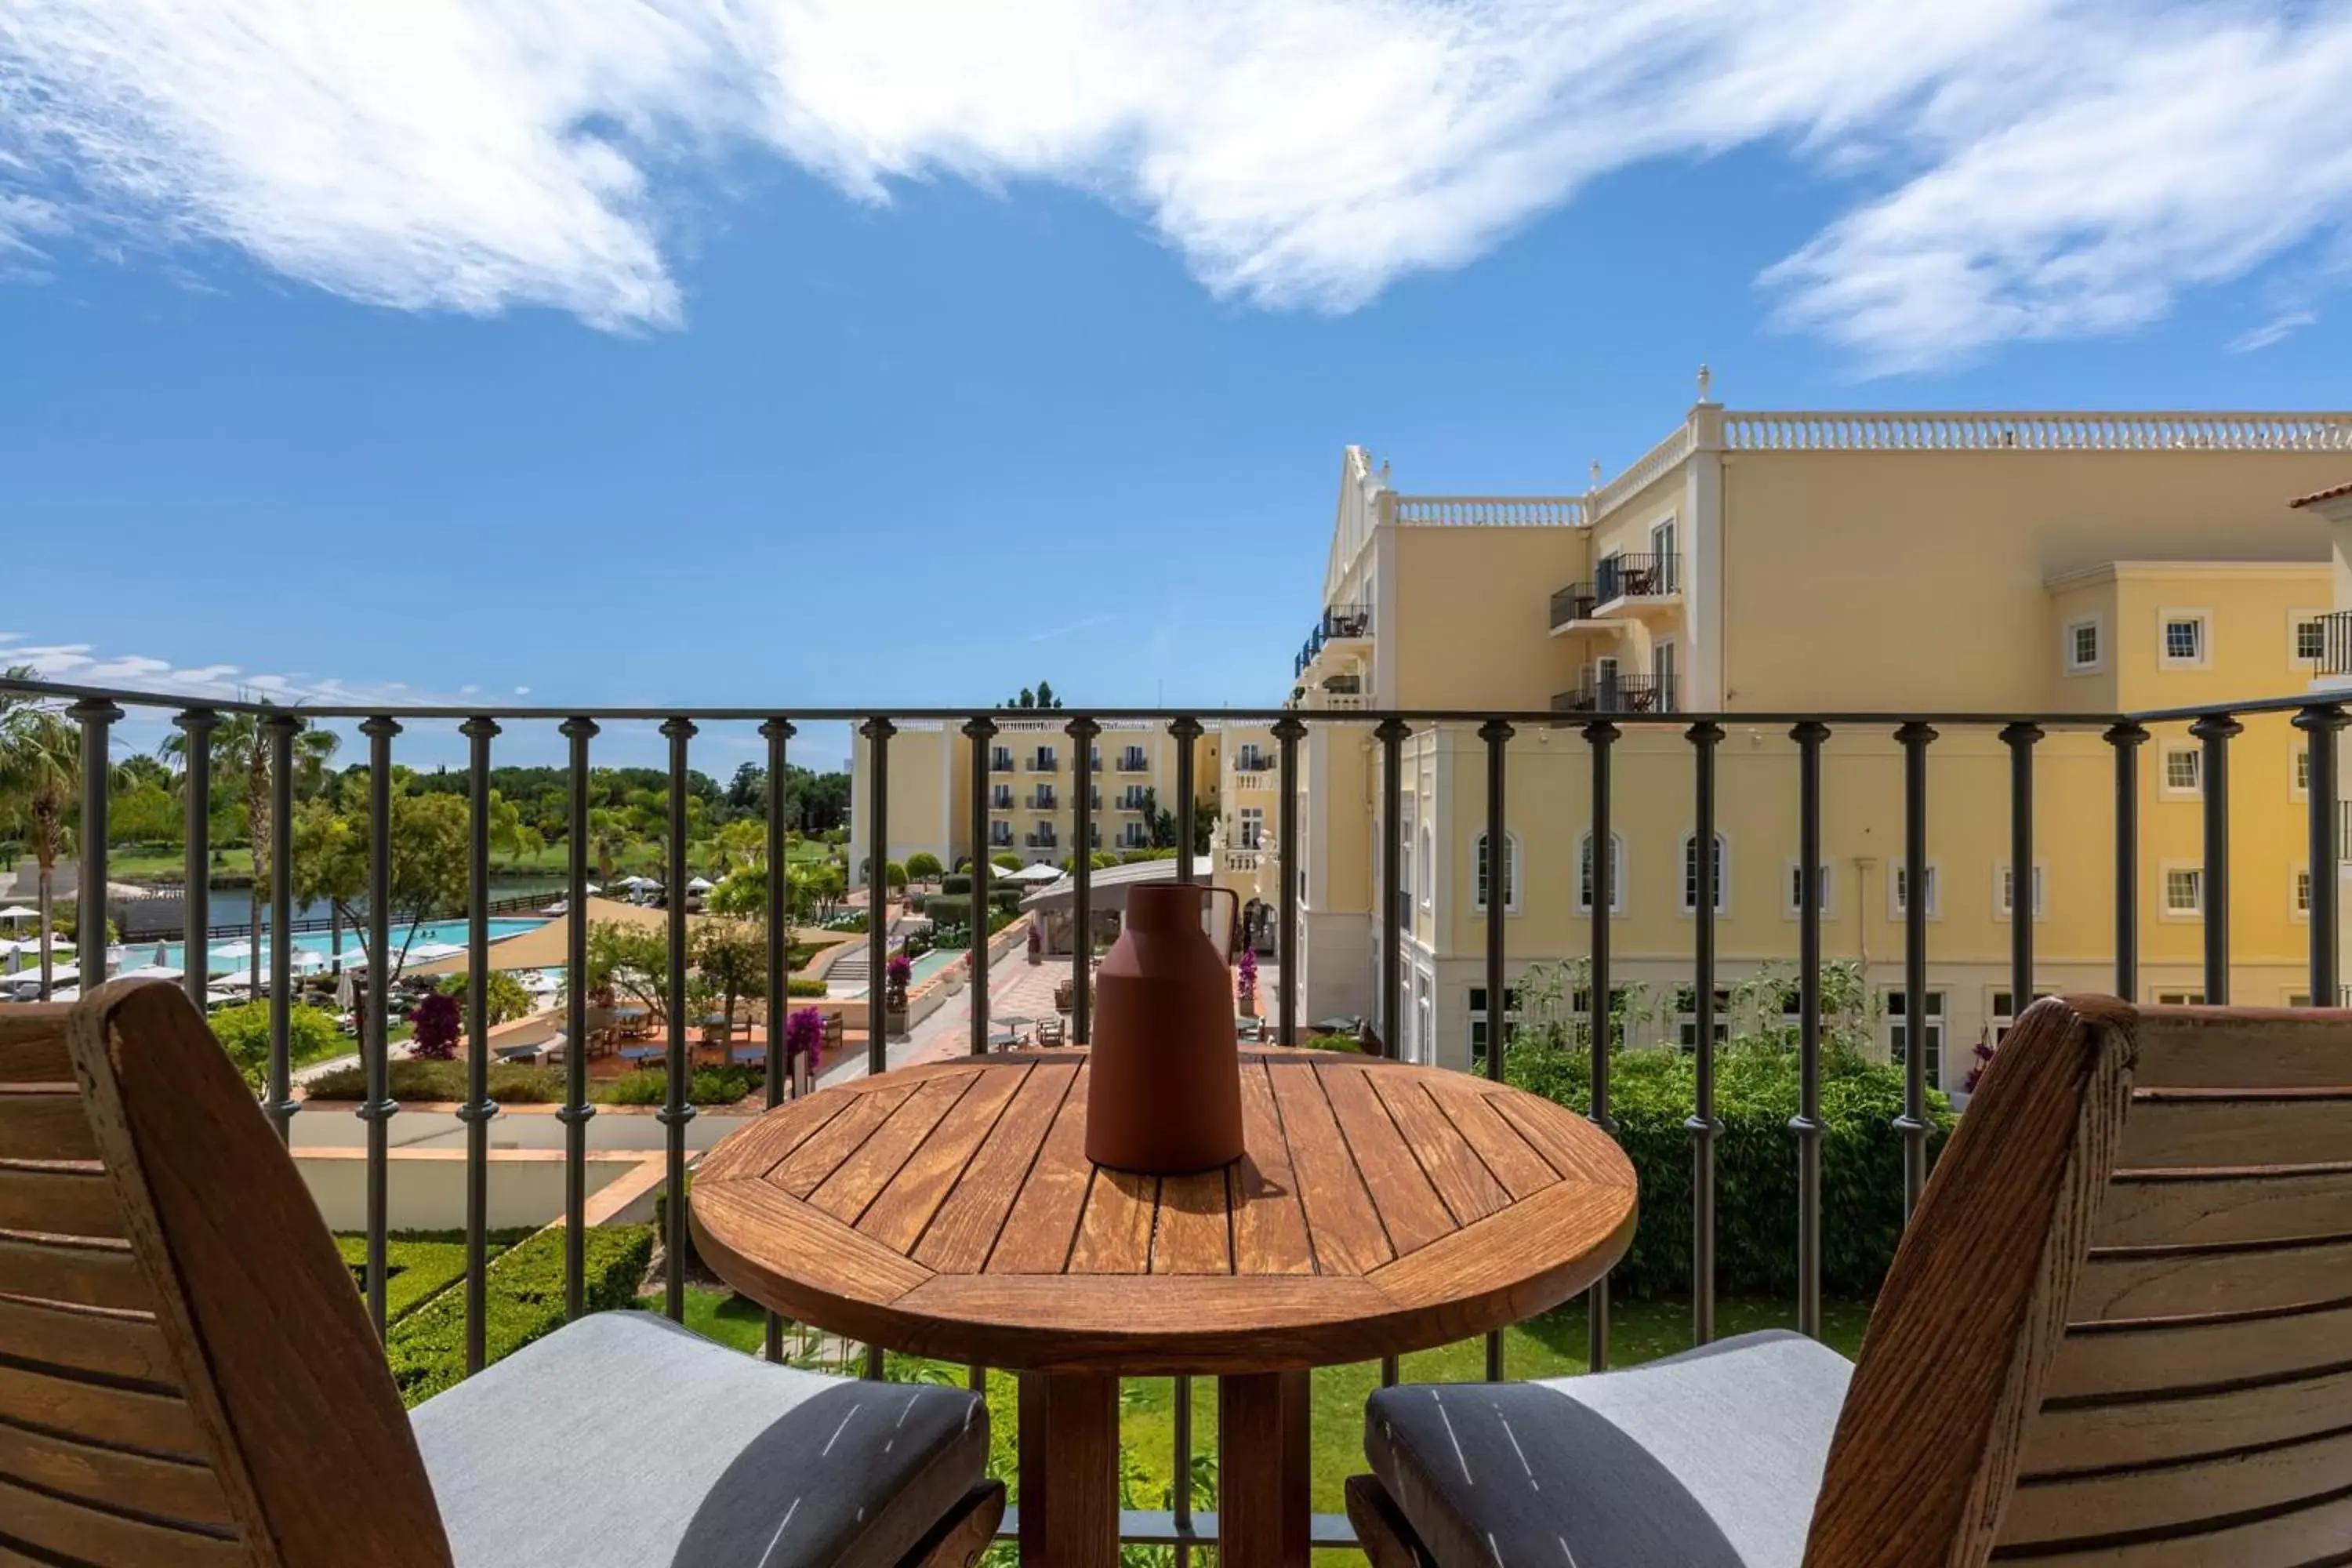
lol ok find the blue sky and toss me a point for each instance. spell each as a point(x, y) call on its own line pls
point(403, 356)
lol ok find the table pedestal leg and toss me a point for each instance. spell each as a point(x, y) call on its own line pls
point(1262, 1470)
point(1069, 1470)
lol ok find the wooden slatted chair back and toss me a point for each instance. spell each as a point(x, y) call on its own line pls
point(186, 1373)
point(2119, 1329)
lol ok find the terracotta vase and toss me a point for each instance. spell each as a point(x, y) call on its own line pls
point(1164, 1092)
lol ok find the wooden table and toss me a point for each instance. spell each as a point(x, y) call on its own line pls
point(949, 1210)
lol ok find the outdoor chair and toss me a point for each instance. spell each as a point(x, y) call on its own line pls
point(189, 1376)
point(2116, 1331)
point(1052, 1032)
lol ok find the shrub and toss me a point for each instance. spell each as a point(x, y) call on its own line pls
point(435, 1023)
point(806, 985)
point(898, 971)
point(244, 1033)
point(957, 883)
point(525, 1301)
point(430, 1081)
point(507, 999)
point(418, 1264)
point(1007, 861)
point(894, 874)
point(805, 1035)
point(650, 1086)
point(923, 866)
point(948, 909)
point(1651, 1092)
point(646, 1086)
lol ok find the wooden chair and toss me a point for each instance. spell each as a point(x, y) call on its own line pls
point(2118, 1330)
point(187, 1377)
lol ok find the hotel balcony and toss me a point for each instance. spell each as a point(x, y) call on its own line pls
point(2193, 1359)
point(1042, 800)
point(1623, 586)
point(1617, 694)
point(1343, 629)
point(2336, 645)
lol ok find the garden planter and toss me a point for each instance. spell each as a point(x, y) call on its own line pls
point(1164, 1089)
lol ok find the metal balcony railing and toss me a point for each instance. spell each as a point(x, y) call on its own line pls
point(1573, 603)
point(1133, 763)
point(1040, 800)
point(1345, 686)
point(1915, 738)
point(2335, 640)
point(1618, 694)
point(1339, 621)
point(1634, 578)
point(1044, 765)
point(1002, 762)
point(1253, 763)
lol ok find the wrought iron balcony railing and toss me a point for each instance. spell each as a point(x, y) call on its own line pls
point(1915, 737)
point(1635, 577)
point(2335, 644)
point(1573, 603)
point(1618, 694)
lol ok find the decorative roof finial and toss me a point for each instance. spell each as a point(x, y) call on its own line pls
point(1384, 470)
point(1705, 380)
point(1596, 474)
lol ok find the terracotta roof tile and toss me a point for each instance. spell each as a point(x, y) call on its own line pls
point(2330, 493)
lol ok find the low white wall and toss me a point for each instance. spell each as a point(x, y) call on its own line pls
point(426, 1188)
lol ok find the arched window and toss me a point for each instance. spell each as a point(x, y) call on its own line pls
point(1478, 892)
point(1690, 875)
point(1616, 874)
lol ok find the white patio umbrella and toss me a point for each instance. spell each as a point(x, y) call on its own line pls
point(1042, 871)
point(637, 882)
point(19, 912)
point(151, 971)
point(698, 885)
point(594, 888)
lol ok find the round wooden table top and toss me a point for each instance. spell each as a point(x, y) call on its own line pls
point(949, 1210)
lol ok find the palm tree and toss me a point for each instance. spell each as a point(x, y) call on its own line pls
point(240, 756)
point(40, 771)
point(608, 832)
point(509, 833)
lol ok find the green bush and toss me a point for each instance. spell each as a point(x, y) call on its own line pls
point(244, 1033)
point(1007, 861)
point(418, 1264)
point(923, 866)
point(1651, 1092)
point(894, 874)
point(949, 909)
point(646, 1086)
point(650, 1086)
point(507, 999)
point(806, 985)
point(415, 1081)
point(957, 883)
point(525, 1301)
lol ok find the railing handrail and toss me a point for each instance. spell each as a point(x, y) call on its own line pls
point(2055, 430)
point(1491, 511)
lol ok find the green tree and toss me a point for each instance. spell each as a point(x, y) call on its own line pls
point(244, 1033)
point(923, 866)
point(240, 746)
point(40, 773)
point(144, 812)
point(731, 956)
point(429, 845)
point(510, 834)
point(1007, 861)
point(628, 959)
point(609, 836)
point(506, 998)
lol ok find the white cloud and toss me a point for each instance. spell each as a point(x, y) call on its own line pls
point(2273, 331)
point(81, 664)
point(2017, 168)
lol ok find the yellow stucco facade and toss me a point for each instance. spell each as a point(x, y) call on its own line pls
point(1868, 565)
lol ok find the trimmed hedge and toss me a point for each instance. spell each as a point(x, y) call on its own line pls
point(1651, 1092)
point(959, 882)
point(443, 1081)
point(806, 985)
point(524, 1302)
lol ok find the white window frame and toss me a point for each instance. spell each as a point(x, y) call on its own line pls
point(1618, 871)
point(2097, 664)
point(2298, 894)
point(2179, 998)
point(1427, 870)
point(1687, 1019)
point(1250, 824)
point(1687, 900)
point(2000, 1023)
point(1895, 910)
point(2166, 908)
point(2298, 769)
point(2165, 658)
point(2002, 904)
point(1475, 1034)
point(1937, 1020)
point(1512, 880)
point(2165, 787)
point(2296, 621)
point(1790, 894)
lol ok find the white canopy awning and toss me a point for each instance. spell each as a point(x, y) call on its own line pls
point(698, 885)
point(19, 912)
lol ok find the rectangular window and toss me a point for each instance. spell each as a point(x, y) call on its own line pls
point(2004, 903)
point(1253, 827)
point(2184, 771)
point(1901, 886)
point(2081, 646)
point(2180, 998)
point(1686, 1017)
point(2184, 891)
point(2301, 755)
point(2003, 1015)
point(2187, 637)
point(1931, 1032)
point(1132, 759)
point(2301, 892)
point(1044, 761)
point(1478, 1022)
point(1616, 876)
point(1792, 888)
point(1690, 876)
point(2310, 640)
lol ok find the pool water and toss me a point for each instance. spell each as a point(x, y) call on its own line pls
point(322, 942)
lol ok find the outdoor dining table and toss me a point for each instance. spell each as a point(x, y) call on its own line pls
point(949, 1210)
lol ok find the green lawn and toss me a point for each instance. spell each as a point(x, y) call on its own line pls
point(418, 1264)
point(1552, 1345)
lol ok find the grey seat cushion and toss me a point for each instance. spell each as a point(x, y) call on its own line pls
point(1707, 1459)
point(628, 1442)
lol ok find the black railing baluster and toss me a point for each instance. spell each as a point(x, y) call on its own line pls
point(1287, 732)
point(2020, 739)
point(1602, 736)
point(280, 727)
point(375, 1032)
point(95, 718)
point(1912, 1124)
point(480, 1108)
point(1703, 1126)
point(675, 1112)
point(1082, 733)
point(2215, 732)
point(1807, 1123)
point(1187, 734)
point(1391, 733)
point(2320, 723)
point(776, 731)
point(2127, 738)
point(1497, 736)
point(877, 731)
point(195, 726)
point(575, 1111)
point(982, 732)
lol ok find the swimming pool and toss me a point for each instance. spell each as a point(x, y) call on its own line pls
point(228, 954)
